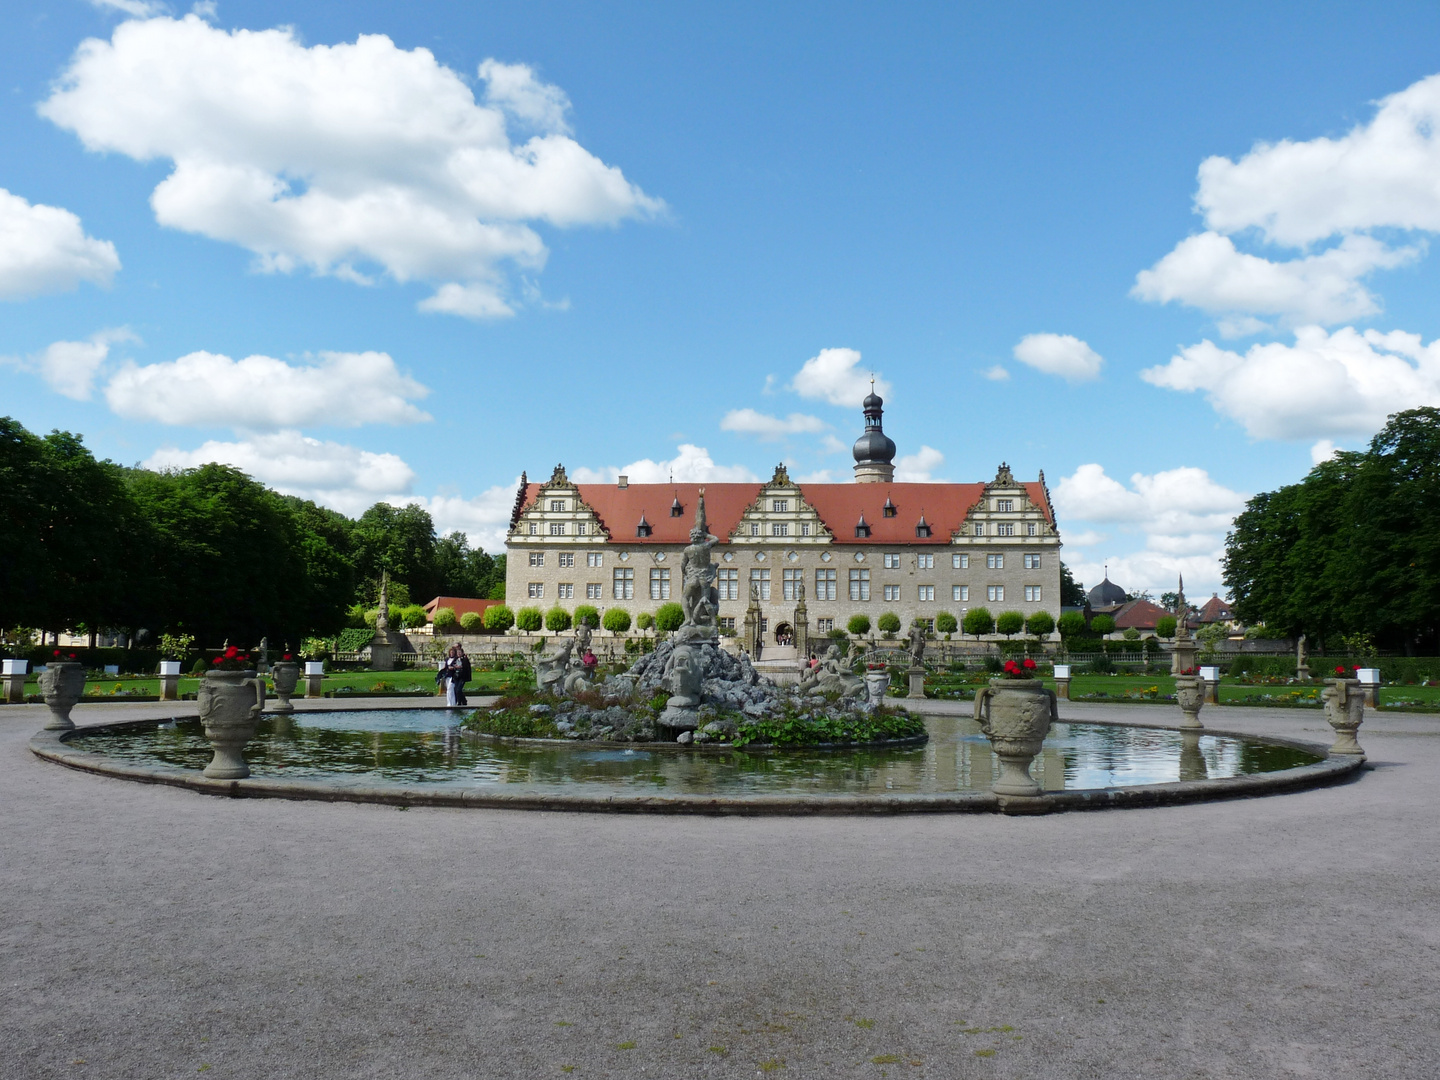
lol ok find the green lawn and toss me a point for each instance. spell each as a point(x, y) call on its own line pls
point(481, 682)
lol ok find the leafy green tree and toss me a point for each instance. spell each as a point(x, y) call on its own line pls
point(1165, 626)
point(1009, 623)
point(587, 615)
point(859, 625)
point(472, 622)
point(945, 623)
point(644, 621)
point(1072, 625)
point(529, 619)
point(617, 620)
point(499, 618)
point(445, 621)
point(979, 621)
point(1102, 625)
point(557, 619)
point(1040, 624)
point(412, 617)
point(1071, 593)
point(466, 571)
point(402, 541)
point(669, 617)
point(888, 623)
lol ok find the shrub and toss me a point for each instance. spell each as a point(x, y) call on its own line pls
point(1131, 634)
point(1165, 626)
point(499, 618)
point(557, 619)
point(1040, 624)
point(978, 620)
point(355, 617)
point(199, 667)
point(888, 623)
point(413, 616)
point(529, 619)
point(445, 619)
point(669, 618)
point(945, 623)
point(1072, 625)
point(644, 621)
point(587, 615)
point(1101, 664)
point(472, 622)
point(1102, 625)
point(1009, 623)
point(859, 625)
point(617, 620)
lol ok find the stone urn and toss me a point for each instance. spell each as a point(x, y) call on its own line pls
point(286, 675)
point(1192, 761)
point(230, 705)
point(1015, 715)
point(876, 683)
point(62, 683)
point(1344, 710)
point(1190, 696)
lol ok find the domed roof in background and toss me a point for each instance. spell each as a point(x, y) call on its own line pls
point(1106, 594)
point(874, 445)
point(872, 401)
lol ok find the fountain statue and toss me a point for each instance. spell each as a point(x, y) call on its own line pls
point(699, 599)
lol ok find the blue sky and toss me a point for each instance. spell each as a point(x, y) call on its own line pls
point(1169, 254)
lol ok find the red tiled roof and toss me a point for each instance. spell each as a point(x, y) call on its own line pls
point(839, 506)
point(1139, 615)
point(461, 604)
point(1215, 610)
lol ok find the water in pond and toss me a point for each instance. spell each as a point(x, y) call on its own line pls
point(425, 746)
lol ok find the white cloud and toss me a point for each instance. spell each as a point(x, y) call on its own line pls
point(1059, 354)
point(832, 375)
point(260, 393)
point(821, 476)
point(770, 428)
point(1182, 514)
point(343, 158)
point(342, 477)
point(917, 468)
point(485, 519)
point(1326, 384)
point(996, 373)
point(831, 445)
point(44, 249)
point(140, 9)
point(1085, 538)
point(1323, 450)
point(70, 367)
point(691, 465)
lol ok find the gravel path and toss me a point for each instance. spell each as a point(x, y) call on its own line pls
point(150, 932)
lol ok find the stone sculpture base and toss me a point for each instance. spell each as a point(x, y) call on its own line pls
point(382, 652)
point(169, 687)
point(917, 683)
point(15, 689)
point(313, 684)
point(1062, 689)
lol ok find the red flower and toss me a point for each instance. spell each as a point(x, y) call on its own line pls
point(1357, 667)
point(1339, 669)
point(72, 657)
point(57, 652)
point(286, 656)
point(216, 660)
point(231, 652)
point(1029, 664)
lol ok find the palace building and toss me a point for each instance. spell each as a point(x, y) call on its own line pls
point(801, 559)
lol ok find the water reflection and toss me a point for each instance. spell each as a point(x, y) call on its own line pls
point(424, 746)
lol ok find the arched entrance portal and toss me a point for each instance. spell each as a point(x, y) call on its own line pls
point(784, 634)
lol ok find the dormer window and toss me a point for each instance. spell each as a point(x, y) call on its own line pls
point(862, 529)
point(922, 528)
point(889, 509)
point(643, 529)
point(676, 510)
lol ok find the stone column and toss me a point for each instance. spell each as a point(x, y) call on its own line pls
point(314, 673)
point(15, 672)
point(1370, 683)
point(917, 682)
point(169, 680)
point(1210, 676)
point(1062, 681)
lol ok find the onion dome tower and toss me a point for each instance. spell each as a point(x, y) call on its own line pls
point(874, 451)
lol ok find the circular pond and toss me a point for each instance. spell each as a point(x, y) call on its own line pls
point(422, 756)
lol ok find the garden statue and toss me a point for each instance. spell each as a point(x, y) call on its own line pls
point(1190, 696)
point(699, 599)
point(230, 705)
point(917, 645)
point(1302, 660)
point(62, 682)
point(582, 638)
point(1182, 656)
point(1344, 711)
point(831, 676)
point(550, 672)
point(685, 675)
point(1015, 713)
point(383, 646)
point(382, 616)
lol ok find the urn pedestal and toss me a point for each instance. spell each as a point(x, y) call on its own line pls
point(1344, 711)
point(286, 675)
point(62, 683)
point(15, 672)
point(314, 678)
point(169, 680)
point(1190, 696)
point(1062, 681)
point(1015, 715)
point(917, 682)
point(876, 683)
point(230, 706)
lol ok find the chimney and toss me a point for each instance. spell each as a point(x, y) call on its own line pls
point(622, 481)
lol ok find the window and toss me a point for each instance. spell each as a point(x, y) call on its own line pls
point(580, 528)
point(780, 506)
point(804, 528)
point(592, 592)
point(727, 583)
point(624, 583)
point(660, 583)
point(567, 558)
point(676, 510)
point(790, 586)
point(994, 593)
point(889, 509)
point(892, 560)
point(565, 591)
point(824, 584)
point(727, 622)
point(1032, 560)
point(537, 590)
point(1005, 506)
point(754, 528)
point(922, 531)
point(979, 528)
point(862, 531)
point(760, 583)
point(593, 558)
point(557, 528)
point(925, 562)
point(960, 562)
point(644, 528)
point(994, 562)
point(960, 593)
point(557, 504)
point(779, 528)
point(892, 592)
point(1032, 594)
point(824, 626)
point(927, 592)
point(537, 558)
point(859, 584)
point(1005, 528)
point(1030, 529)
point(534, 528)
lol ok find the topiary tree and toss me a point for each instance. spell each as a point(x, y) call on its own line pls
point(472, 622)
point(1009, 623)
point(499, 618)
point(669, 618)
point(1072, 625)
point(445, 621)
point(945, 623)
point(1102, 625)
point(888, 624)
point(1131, 634)
point(557, 619)
point(1165, 626)
point(644, 621)
point(529, 619)
point(617, 620)
point(413, 617)
point(978, 620)
point(1040, 624)
point(859, 625)
point(587, 615)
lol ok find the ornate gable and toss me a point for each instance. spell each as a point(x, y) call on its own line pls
point(1005, 513)
point(780, 513)
point(557, 515)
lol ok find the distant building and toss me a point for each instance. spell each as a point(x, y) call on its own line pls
point(462, 605)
